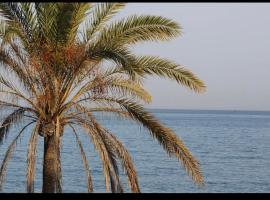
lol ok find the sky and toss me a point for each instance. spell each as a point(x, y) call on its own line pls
point(227, 45)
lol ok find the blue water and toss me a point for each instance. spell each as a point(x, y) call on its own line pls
point(233, 148)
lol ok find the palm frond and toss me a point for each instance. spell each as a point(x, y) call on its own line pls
point(119, 55)
point(120, 152)
point(8, 155)
point(127, 163)
point(128, 87)
point(107, 109)
point(18, 93)
point(64, 21)
point(166, 137)
point(11, 119)
point(6, 11)
point(85, 162)
point(11, 31)
point(106, 155)
point(46, 19)
point(11, 65)
point(152, 65)
point(140, 28)
point(30, 19)
point(14, 12)
point(60, 78)
point(79, 15)
point(116, 185)
point(5, 104)
point(101, 14)
point(31, 160)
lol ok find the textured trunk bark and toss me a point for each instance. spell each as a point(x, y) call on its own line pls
point(49, 165)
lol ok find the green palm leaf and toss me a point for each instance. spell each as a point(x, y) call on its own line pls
point(153, 65)
point(140, 28)
point(101, 14)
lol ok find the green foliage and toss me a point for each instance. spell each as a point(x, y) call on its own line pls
point(101, 14)
point(60, 79)
point(165, 68)
point(138, 29)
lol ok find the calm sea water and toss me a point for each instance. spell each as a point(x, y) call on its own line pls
point(232, 147)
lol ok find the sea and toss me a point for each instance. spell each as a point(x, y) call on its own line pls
point(233, 148)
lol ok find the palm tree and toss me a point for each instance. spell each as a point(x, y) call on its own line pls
point(67, 62)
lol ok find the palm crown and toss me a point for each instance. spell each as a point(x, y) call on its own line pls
point(67, 62)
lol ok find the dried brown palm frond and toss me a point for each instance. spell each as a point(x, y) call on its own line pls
point(128, 87)
point(106, 155)
point(8, 155)
point(116, 185)
point(110, 110)
point(31, 159)
point(9, 63)
point(117, 149)
point(85, 162)
point(165, 136)
point(120, 152)
point(14, 117)
point(127, 163)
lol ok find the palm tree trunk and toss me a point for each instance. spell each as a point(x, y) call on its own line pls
point(49, 165)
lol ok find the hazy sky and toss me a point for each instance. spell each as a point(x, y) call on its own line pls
point(226, 44)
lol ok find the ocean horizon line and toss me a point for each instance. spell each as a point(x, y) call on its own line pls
point(199, 109)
